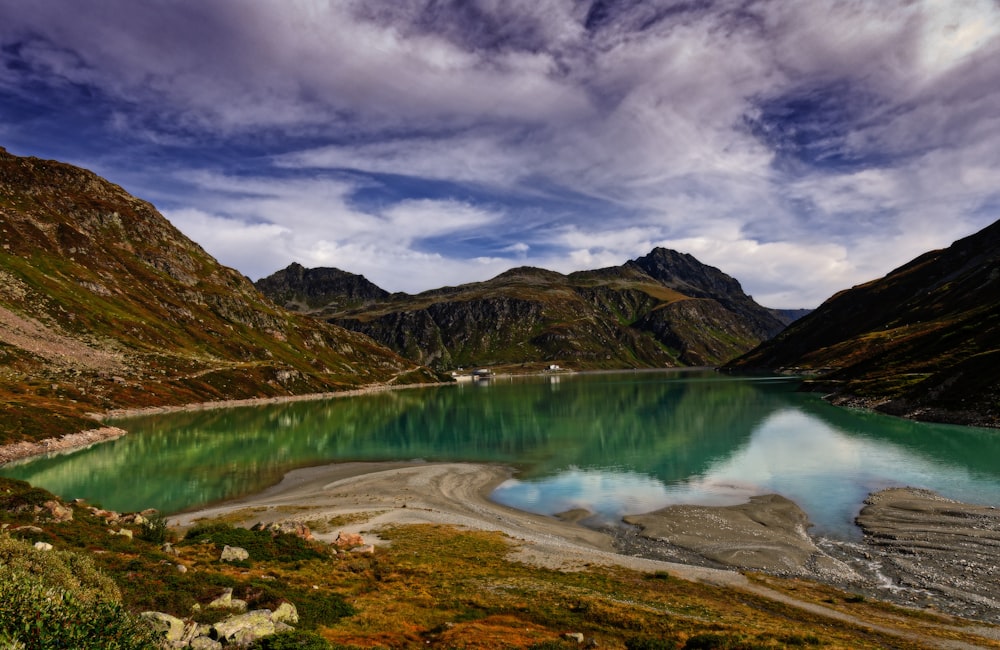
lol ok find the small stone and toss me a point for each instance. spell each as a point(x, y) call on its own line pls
point(181, 568)
point(573, 636)
point(43, 546)
point(368, 549)
point(29, 529)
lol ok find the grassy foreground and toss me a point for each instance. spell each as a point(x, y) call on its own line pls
point(432, 586)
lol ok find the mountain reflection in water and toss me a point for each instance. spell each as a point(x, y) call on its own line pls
point(610, 443)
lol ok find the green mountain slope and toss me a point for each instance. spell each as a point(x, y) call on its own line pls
point(924, 341)
point(664, 309)
point(104, 304)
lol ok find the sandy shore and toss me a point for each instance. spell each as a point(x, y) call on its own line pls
point(372, 495)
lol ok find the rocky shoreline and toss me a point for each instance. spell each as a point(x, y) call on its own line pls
point(19, 451)
point(919, 548)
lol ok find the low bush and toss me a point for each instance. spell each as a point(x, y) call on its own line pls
point(262, 545)
point(54, 599)
point(155, 529)
point(295, 640)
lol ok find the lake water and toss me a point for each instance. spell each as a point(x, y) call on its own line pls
point(610, 443)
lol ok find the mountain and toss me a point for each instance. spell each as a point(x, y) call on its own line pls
point(302, 289)
point(664, 309)
point(105, 305)
point(923, 341)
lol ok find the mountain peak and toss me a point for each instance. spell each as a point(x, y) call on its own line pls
point(685, 273)
point(304, 289)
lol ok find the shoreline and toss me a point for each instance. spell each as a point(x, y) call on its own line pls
point(366, 496)
point(23, 451)
point(27, 450)
point(710, 544)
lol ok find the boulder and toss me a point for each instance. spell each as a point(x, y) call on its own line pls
point(43, 546)
point(171, 627)
point(234, 554)
point(296, 528)
point(58, 512)
point(204, 643)
point(285, 613)
point(348, 540)
point(245, 628)
point(226, 601)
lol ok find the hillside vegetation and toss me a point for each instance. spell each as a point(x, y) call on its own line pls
point(662, 310)
point(104, 304)
point(923, 341)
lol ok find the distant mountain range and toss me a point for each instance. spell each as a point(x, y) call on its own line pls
point(664, 309)
point(923, 342)
point(104, 305)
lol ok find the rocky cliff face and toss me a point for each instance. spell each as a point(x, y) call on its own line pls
point(104, 304)
point(924, 341)
point(665, 309)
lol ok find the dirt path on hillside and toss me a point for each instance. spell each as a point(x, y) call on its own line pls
point(362, 497)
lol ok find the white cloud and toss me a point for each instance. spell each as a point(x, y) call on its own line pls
point(647, 112)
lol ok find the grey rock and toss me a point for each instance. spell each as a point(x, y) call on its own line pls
point(234, 554)
point(43, 546)
point(171, 627)
point(204, 643)
point(226, 601)
point(244, 628)
point(285, 613)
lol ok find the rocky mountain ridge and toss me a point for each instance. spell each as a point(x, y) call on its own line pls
point(923, 341)
point(662, 310)
point(104, 304)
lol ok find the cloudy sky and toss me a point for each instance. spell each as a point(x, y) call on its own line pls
point(801, 147)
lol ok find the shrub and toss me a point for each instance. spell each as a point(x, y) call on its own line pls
point(53, 599)
point(294, 640)
point(18, 496)
point(155, 529)
point(262, 545)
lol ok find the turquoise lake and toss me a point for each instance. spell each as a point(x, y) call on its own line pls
point(612, 443)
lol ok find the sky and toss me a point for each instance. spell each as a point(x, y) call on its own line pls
point(801, 147)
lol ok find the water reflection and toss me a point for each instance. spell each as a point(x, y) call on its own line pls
point(614, 444)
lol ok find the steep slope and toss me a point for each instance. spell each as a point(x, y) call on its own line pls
point(665, 309)
point(924, 341)
point(104, 304)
